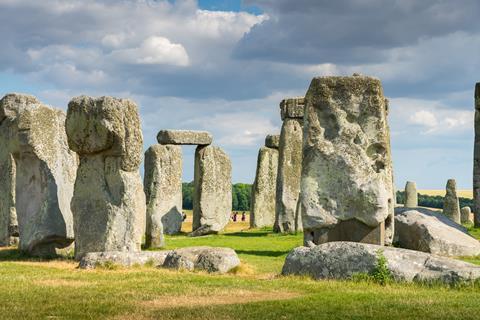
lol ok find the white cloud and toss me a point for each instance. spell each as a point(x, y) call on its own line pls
point(424, 118)
point(154, 50)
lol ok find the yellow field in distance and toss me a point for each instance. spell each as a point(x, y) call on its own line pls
point(460, 193)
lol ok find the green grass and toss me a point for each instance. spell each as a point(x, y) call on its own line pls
point(35, 289)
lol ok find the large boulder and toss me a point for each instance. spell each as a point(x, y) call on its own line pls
point(342, 260)
point(262, 211)
point(212, 260)
point(163, 190)
point(212, 202)
point(287, 218)
point(108, 202)
point(430, 231)
point(184, 137)
point(346, 186)
point(39, 174)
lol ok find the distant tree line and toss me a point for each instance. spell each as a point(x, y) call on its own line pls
point(241, 194)
point(433, 201)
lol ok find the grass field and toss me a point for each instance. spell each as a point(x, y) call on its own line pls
point(460, 193)
point(33, 289)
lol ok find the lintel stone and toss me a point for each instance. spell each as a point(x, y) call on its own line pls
point(184, 137)
point(292, 107)
point(272, 141)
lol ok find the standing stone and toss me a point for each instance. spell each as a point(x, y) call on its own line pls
point(8, 213)
point(108, 202)
point(451, 206)
point(212, 202)
point(163, 189)
point(262, 211)
point(39, 174)
point(476, 159)
point(411, 196)
point(289, 166)
point(347, 187)
point(465, 214)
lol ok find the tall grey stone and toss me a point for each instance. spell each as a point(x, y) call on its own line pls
point(163, 190)
point(40, 173)
point(465, 214)
point(411, 196)
point(476, 159)
point(212, 202)
point(108, 202)
point(451, 205)
point(289, 166)
point(262, 211)
point(346, 187)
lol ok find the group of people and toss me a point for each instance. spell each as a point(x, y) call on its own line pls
point(235, 214)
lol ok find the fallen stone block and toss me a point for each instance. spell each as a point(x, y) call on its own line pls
point(342, 260)
point(93, 260)
point(212, 260)
point(430, 231)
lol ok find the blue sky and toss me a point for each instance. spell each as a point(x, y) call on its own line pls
point(223, 66)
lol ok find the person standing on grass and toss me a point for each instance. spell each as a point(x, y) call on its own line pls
point(243, 216)
point(234, 217)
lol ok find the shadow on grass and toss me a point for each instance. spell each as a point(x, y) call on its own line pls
point(247, 234)
point(264, 253)
point(14, 254)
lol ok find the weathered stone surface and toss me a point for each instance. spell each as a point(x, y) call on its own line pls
point(347, 186)
point(185, 137)
point(451, 205)
point(272, 141)
point(292, 108)
point(212, 202)
point(430, 231)
point(108, 202)
point(465, 215)
point(8, 213)
point(476, 159)
point(262, 211)
point(93, 260)
point(341, 260)
point(212, 260)
point(40, 173)
point(411, 195)
point(163, 189)
point(289, 171)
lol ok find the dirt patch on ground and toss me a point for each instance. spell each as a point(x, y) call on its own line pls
point(224, 298)
point(62, 283)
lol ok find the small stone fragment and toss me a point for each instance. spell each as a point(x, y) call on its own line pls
point(184, 137)
point(451, 205)
point(411, 196)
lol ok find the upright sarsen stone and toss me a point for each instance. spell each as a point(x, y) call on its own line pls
point(262, 211)
point(212, 202)
point(108, 202)
point(8, 213)
point(39, 181)
point(346, 187)
point(411, 196)
point(465, 214)
point(451, 205)
point(289, 166)
point(476, 159)
point(163, 189)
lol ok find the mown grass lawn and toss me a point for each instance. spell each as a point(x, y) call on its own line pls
point(32, 289)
